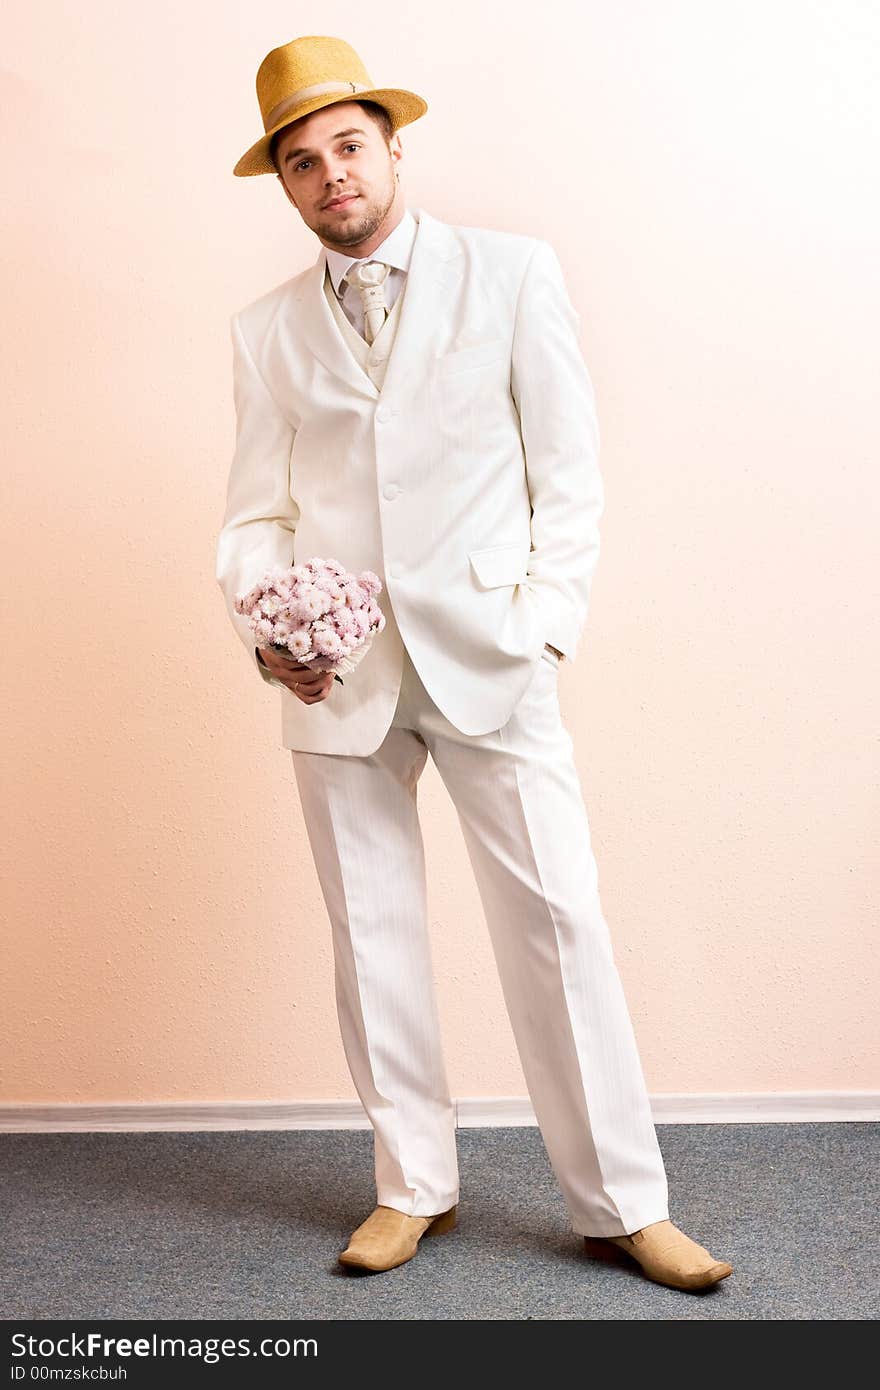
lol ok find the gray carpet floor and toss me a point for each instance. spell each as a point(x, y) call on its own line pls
point(248, 1225)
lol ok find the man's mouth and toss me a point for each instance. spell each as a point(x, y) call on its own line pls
point(341, 202)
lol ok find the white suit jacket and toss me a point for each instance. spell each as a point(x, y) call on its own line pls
point(469, 483)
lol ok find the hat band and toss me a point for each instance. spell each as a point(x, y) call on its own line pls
point(318, 89)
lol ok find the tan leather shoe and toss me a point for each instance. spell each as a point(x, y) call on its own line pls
point(389, 1237)
point(670, 1257)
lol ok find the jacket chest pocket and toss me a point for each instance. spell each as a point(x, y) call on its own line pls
point(467, 359)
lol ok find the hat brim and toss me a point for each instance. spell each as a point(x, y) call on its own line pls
point(402, 106)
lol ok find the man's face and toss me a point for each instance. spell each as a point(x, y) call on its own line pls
point(339, 152)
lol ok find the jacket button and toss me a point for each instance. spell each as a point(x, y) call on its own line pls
point(383, 413)
point(390, 490)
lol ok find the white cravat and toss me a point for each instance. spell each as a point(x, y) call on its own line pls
point(396, 251)
point(369, 278)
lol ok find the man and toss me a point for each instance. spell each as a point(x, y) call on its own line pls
point(415, 403)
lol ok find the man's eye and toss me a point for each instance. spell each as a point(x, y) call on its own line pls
point(352, 146)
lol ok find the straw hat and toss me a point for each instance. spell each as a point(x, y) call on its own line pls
point(301, 77)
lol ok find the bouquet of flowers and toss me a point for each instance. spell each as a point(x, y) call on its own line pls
point(316, 612)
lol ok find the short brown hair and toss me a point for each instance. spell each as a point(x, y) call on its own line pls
point(379, 114)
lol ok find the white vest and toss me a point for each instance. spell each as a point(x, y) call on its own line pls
point(373, 358)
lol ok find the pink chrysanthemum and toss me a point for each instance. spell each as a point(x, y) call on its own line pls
point(299, 642)
point(325, 641)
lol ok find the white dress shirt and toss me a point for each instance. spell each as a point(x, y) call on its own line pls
point(395, 251)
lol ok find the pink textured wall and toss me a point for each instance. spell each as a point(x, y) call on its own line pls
point(704, 173)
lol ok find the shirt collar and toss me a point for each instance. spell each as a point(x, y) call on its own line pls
point(395, 250)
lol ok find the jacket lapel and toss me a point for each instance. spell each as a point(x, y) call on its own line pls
point(428, 298)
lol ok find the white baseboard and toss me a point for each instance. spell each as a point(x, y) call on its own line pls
point(772, 1107)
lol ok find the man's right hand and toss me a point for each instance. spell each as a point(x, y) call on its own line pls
point(307, 685)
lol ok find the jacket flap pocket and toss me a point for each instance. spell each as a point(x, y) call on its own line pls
point(500, 564)
point(476, 355)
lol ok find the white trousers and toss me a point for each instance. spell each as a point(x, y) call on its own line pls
point(519, 802)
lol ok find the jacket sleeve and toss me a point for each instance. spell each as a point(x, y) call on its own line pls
point(555, 399)
point(260, 517)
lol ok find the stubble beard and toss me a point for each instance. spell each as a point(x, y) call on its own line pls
point(361, 225)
